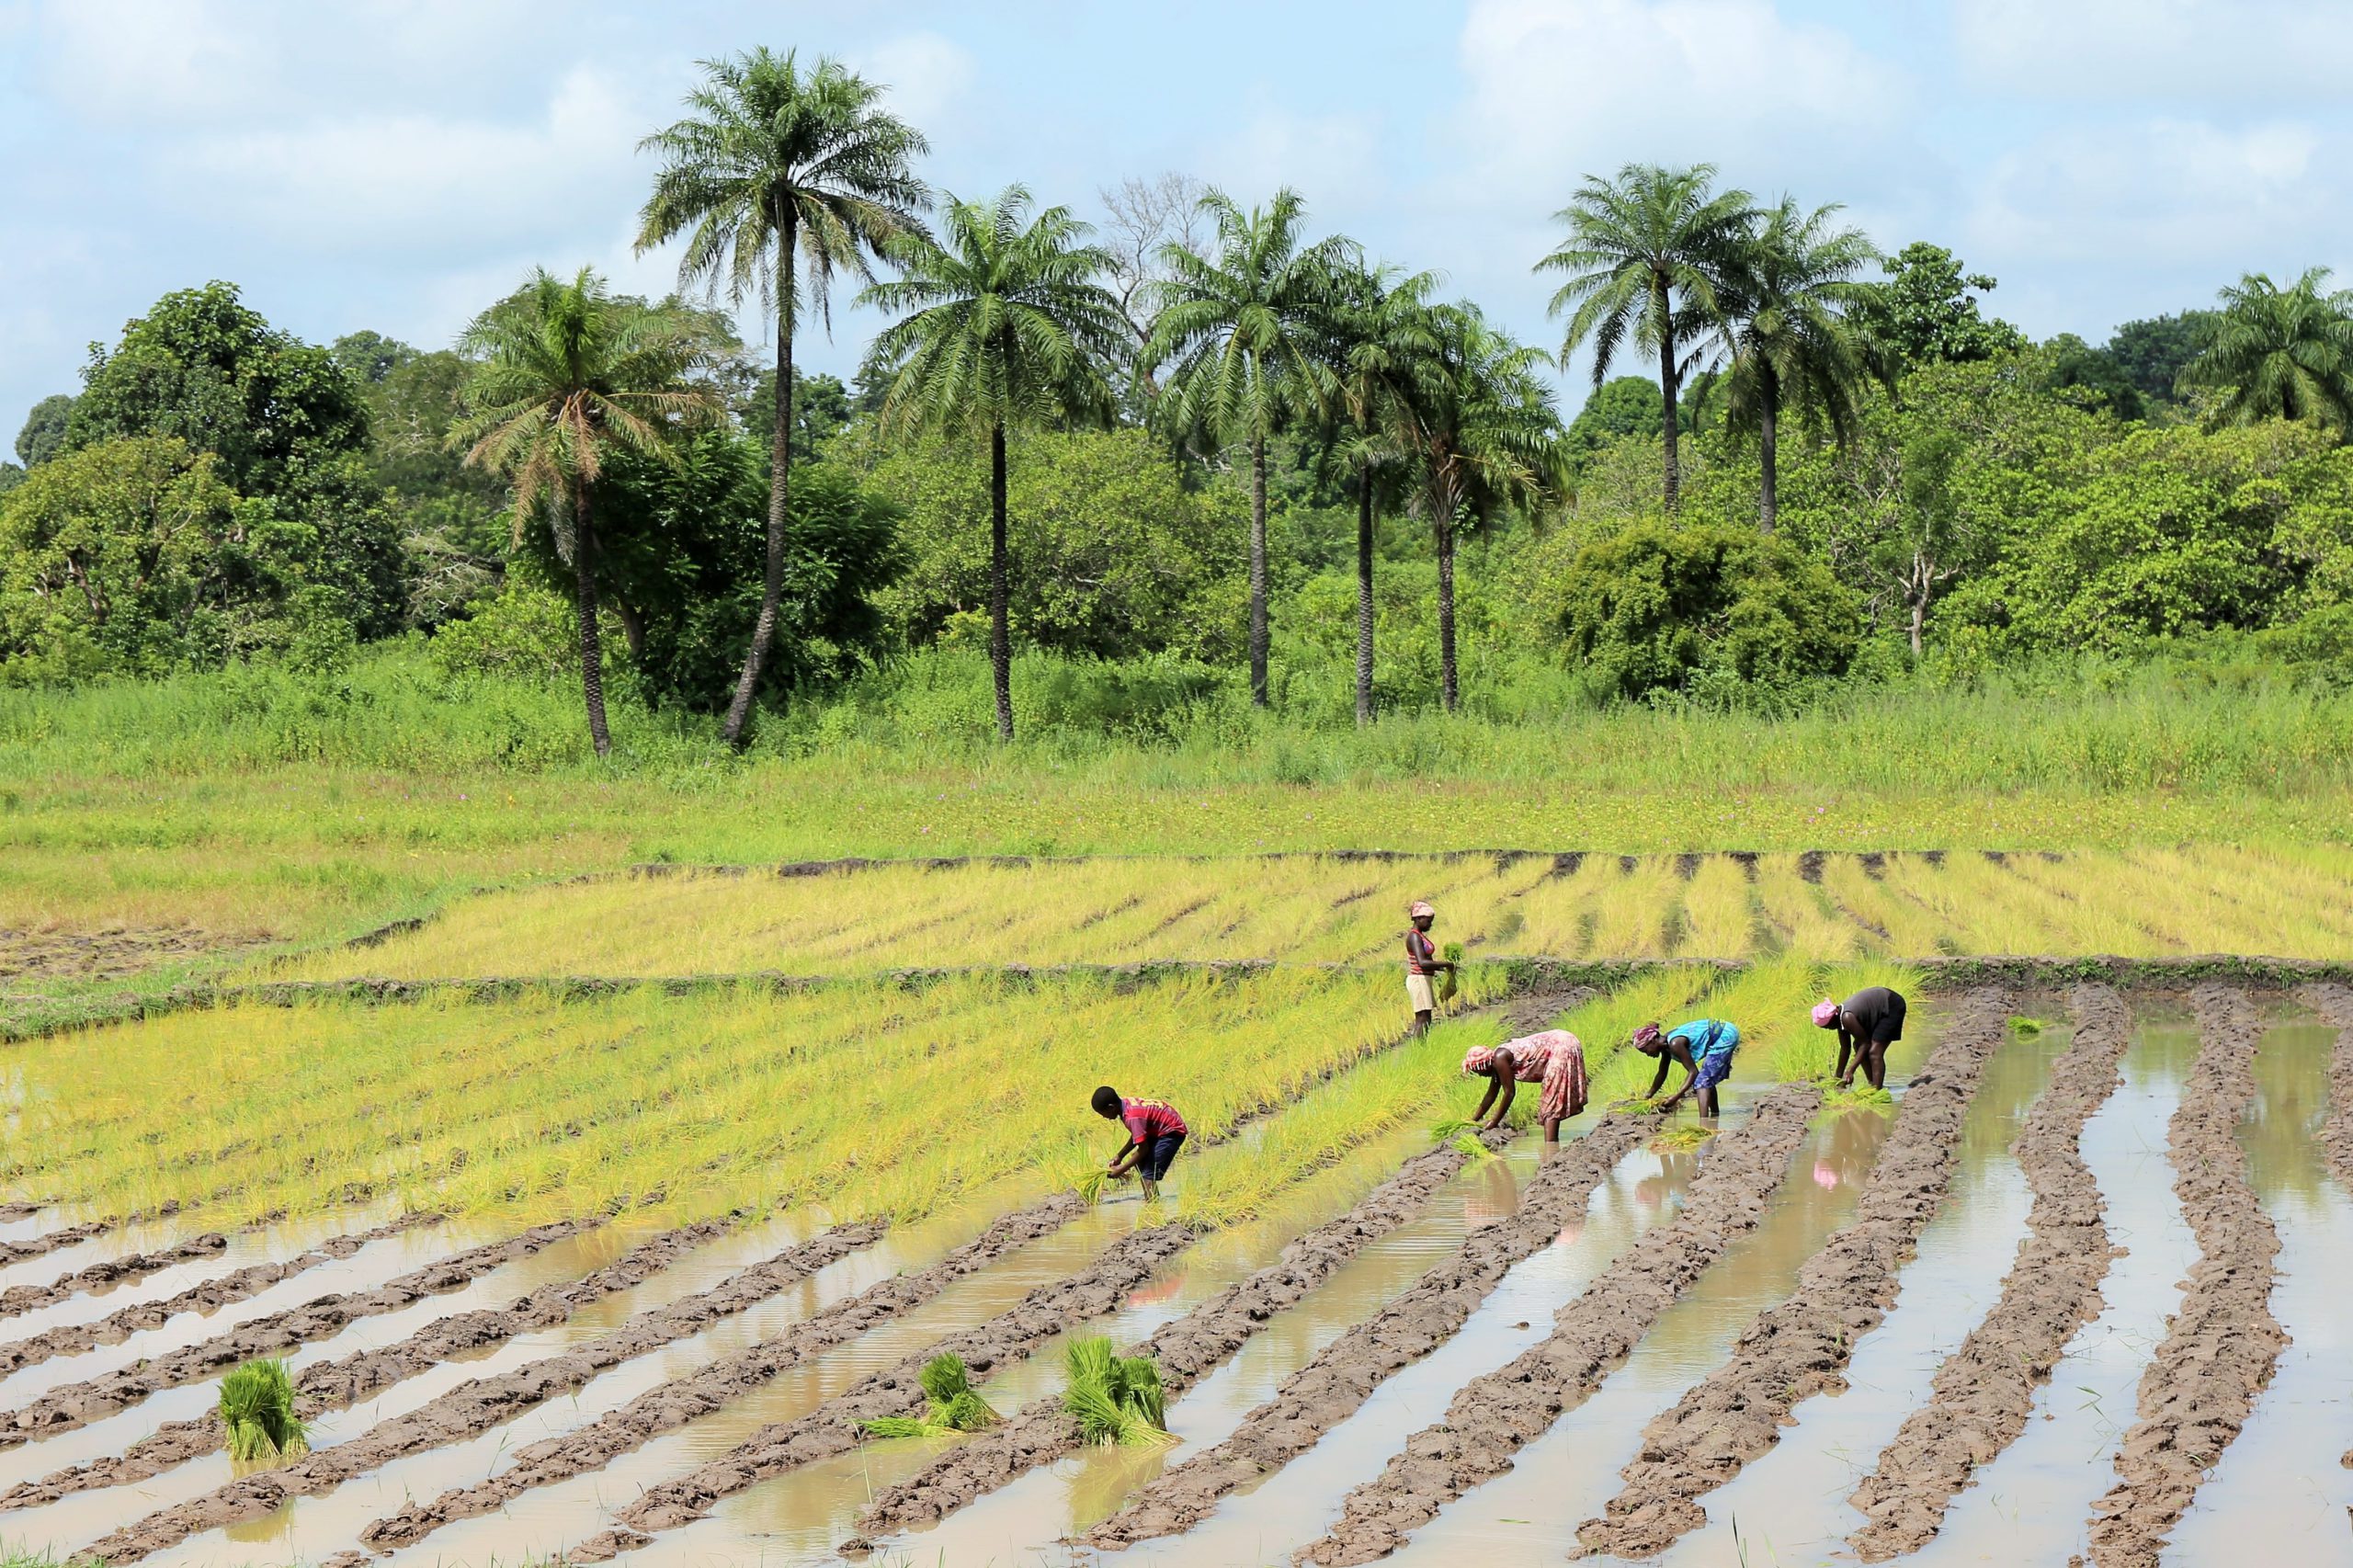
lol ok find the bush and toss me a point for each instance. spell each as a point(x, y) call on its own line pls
point(1717, 614)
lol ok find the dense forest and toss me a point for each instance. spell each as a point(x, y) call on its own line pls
point(1145, 475)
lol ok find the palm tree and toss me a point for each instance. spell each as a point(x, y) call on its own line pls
point(1241, 330)
point(568, 375)
point(1380, 326)
point(1485, 436)
point(1786, 326)
point(2278, 353)
point(775, 163)
point(1644, 257)
point(1002, 327)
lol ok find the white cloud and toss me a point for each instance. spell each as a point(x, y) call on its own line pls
point(927, 77)
point(2202, 50)
point(1332, 159)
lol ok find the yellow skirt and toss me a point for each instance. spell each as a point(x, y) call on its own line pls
point(1417, 992)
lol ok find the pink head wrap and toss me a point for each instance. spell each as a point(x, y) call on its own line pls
point(1826, 1013)
point(1418, 908)
point(1478, 1059)
point(1646, 1036)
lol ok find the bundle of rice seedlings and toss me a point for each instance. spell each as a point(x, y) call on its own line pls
point(1680, 1139)
point(1463, 1136)
point(1856, 1099)
point(2026, 1028)
point(953, 1404)
point(1452, 953)
point(1118, 1400)
point(257, 1409)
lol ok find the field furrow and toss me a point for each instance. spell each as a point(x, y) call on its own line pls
point(19, 1300)
point(1984, 1393)
point(1800, 1348)
point(2197, 1392)
point(2334, 1006)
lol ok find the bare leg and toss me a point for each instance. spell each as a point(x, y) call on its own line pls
point(1421, 1024)
point(1875, 1065)
point(1551, 1130)
point(1707, 1102)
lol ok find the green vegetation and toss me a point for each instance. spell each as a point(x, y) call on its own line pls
point(951, 1404)
point(257, 1411)
point(1117, 1399)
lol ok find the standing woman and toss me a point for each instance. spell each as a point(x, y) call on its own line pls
point(1554, 1058)
point(1868, 1023)
point(1421, 963)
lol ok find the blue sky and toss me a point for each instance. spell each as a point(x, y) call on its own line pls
point(394, 165)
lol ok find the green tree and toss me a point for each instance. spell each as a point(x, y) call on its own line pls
point(568, 376)
point(1622, 406)
point(2093, 377)
point(369, 357)
point(821, 409)
point(1004, 327)
point(43, 436)
point(2151, 353)
point(1927, 311)
point(1786, 307)
point(284, 421)
point(2274, 353)
point(1381, 329)
point(1485, 436)
point(1239, 327)
point(777, 166)
point(1644, 255)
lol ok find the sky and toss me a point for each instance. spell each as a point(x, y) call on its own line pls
point(395, 164)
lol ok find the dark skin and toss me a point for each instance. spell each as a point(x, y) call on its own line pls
point(1673, 1052)
point(1125, 1160)
point(1854, 1051)
point(1501, 1082)
point(1422, 1016)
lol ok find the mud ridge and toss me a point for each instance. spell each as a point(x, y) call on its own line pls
point(1186, 1350)
point(2334, 1006)
point(479, 1405)
point(23, 1299)
point(53, 1241)
point(1491, 1417)
point(834, 1427)
point(1333, 1386)
point(1984, 1393)
point(78, 1405)
point(326, 1385)
point(2221, 1347)
point(17, 1210)
point(207, 1296)
point(1799, 1348)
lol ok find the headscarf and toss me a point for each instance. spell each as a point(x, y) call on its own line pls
point(1418, 908)
point(1477, 1060)
point(1645, 1037)
point(1826, 1013)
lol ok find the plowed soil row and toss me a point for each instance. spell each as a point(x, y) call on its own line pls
point(1800, 1348)
point(71, 1339)
point(479, 1405)
point(54, 1241)
point(2219, 1351)
point(23, 1299)
point(1336, 1384)
point(1185, 1350)
point(78, 1405)
point(327, 1385)
point(2334, 1006)
point(836, 1427)
point(1985, 1392)
point(1491, 1417)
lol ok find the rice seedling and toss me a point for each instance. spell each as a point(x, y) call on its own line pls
point(1680, 1139)
point(257, 1412)
point(1798, 918)
point(1718, 917)
point(951, 1404)
point(1630, 916)
point(1118, 1400)
point(1448, 979)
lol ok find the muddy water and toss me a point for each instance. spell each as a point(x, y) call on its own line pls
point(2279, 1494)
point(261, 1243)
point(2030, 1505)
point(799, 1517)
point(1789, 1506)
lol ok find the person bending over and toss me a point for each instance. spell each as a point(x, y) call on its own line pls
point(1868, 1023)
point(1155, 1132)
point(1554, 1058)
point(1703, 1048)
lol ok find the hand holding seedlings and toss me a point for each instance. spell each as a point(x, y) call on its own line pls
point(1155, 1132)
point(1868, 1023)
point(1703, 1048)
point(1554, 1058)
point(1423, 961)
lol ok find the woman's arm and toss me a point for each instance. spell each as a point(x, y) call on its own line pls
point(1486, 1099)
point(1659, 1077)
point(1504, 1080)
point(1682, 1055)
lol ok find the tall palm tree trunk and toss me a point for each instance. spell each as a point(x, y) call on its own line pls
point(592, 650)
point(1769, 443)
point(1258, 570)
point(1000, 638)
point(1447, 688)
point(739, 709)
point(1667, 389)
point(1364, 596)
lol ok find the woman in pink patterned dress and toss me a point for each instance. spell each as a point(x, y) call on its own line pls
point(1554, 1058)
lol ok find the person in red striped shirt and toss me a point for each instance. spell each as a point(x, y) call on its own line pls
point(1155, 1132)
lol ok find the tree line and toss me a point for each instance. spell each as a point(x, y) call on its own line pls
point(1823, 451)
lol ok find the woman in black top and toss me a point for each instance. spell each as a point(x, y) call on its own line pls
point(1868, 1023)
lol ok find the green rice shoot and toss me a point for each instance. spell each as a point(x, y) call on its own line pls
point(951, 1404)
point(258, 1410)
point(1118, 1400)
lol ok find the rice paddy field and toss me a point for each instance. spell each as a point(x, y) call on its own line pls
point(617, 1215)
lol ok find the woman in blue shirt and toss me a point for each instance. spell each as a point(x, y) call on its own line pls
point(1703, 1048)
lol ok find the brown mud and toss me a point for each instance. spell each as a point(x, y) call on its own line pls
point(1984, 1394)
point(1185, 1350)
point(1343, 1376)
point(328, 1385)
point(53, 1241)
point(239, 1285)
point(1801, 1347)
point(112, 953)
point(1492, 1416)
point(12, 1212)
point(2219, 1351)
point(20, 1299)
point(78, 1405)
point(836, 1427)
point(2334, 1006)
point(484, 1403)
